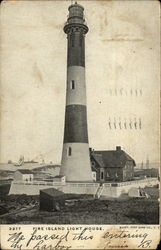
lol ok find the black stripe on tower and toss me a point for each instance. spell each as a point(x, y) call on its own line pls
point(76, 49)
point(76, 124)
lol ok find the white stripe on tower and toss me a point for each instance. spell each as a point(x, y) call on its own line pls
point(76, 79)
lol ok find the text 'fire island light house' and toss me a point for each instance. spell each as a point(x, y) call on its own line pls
point(75, 157)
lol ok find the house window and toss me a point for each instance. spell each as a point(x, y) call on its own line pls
point(108, 174)
point(72, 84)
point(93, 163)
point(69, 151)
point(94, 174)
point(116, 175)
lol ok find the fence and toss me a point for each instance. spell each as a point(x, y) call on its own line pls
point(39, 183)
point(116, 189)
point(108, 189)
point(130, 183)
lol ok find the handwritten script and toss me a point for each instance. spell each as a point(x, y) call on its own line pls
point(79, 237)
point(43, 241)
point(123, 237)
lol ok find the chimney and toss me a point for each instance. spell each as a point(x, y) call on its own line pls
point(118, 148)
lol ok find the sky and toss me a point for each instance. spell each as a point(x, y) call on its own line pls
point(122, 78)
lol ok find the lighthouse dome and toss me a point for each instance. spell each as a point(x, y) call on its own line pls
point(76, 13)
point(75, 19)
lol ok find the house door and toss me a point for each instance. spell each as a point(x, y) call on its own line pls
point(101, 175)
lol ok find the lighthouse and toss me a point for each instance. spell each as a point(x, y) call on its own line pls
point(75, 163)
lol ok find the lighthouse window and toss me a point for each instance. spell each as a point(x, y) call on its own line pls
point(72, 84)
point(72, 40)
point(80, 42)
point(69, 151)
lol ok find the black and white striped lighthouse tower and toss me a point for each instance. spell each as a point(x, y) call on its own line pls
point(75, 157)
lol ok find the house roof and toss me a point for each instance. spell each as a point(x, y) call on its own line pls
point(112, 158)
point(98, 158)
point(25, 171)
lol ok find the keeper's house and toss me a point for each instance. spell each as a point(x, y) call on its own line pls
point(114, 165)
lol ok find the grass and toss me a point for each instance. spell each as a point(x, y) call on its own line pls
point(123, 210)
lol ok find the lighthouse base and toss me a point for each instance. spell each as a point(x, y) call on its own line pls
point(76, 162)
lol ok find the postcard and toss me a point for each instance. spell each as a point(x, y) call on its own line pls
point(80, 107)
